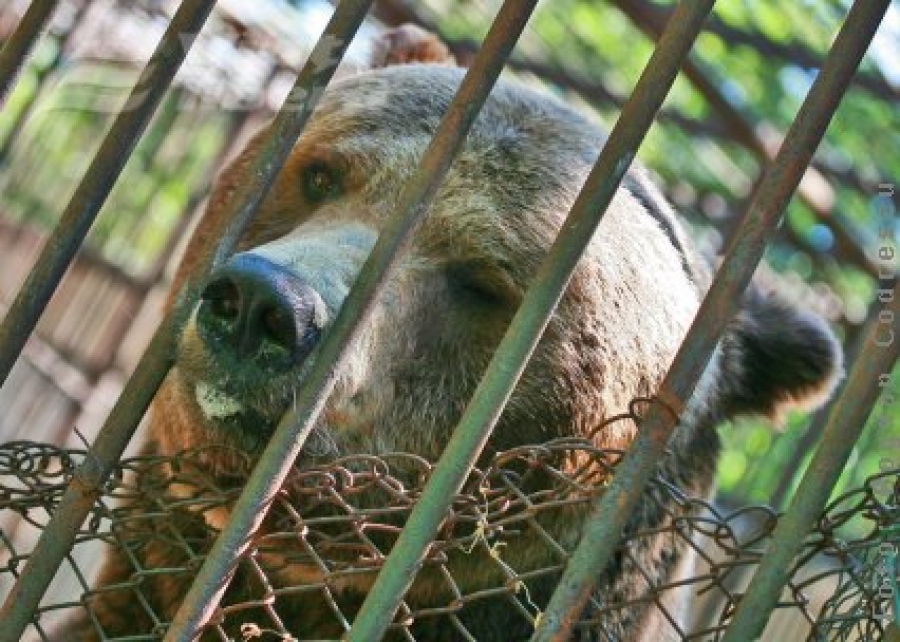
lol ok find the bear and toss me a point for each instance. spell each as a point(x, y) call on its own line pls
point(250, 339)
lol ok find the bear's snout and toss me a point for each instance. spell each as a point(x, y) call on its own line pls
point(261, 312)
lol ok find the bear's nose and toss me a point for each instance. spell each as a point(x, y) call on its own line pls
point(260, 310)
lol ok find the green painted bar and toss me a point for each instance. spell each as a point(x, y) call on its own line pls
point(526, 328)
point(610, 513)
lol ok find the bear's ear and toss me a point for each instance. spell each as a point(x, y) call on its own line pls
point(407, 44)
point(774, 358)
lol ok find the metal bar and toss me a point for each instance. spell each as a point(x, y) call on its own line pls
point(529, 323)
point(284, 446)
point(843, 424)
point(20, 43)
point(59, 534)
point(611, 511)
point(105, 168)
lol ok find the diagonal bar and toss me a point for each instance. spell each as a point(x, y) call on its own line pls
point(105, 168)
point(528, 324)
point(610, 513)
point(107, 449)
point(20, 43)
point(843, 424)
point(284, 446)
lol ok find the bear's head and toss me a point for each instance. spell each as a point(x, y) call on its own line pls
point(250, 341)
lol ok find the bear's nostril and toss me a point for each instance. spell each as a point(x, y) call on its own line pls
point(224, 299)
point(225, 308)
point(280, 326)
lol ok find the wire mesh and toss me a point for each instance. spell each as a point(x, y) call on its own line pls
point(500, 550)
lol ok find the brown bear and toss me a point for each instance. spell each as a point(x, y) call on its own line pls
point(249, 342)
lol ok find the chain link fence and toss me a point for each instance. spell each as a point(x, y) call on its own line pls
point(500, 549)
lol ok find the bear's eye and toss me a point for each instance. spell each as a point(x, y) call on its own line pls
point(320, 183)
point(477, 284)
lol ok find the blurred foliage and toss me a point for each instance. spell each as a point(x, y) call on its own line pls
point(759, 55)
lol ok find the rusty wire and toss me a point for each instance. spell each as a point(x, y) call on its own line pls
point(337, 521)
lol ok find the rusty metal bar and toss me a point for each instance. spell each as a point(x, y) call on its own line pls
point(105, 168)
point(86, 486)
point(610, 512)
point(284, 446)
point(529, 323)
point(843, 424)
point(20, 43)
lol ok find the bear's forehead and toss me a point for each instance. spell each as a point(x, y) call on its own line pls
point(408, 102)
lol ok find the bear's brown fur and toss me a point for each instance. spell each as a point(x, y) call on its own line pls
point(410, 375)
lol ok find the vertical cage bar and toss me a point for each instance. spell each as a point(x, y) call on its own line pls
point(59, 534)
point(529, 323)
point(20, 43)
point(610, 512)
point(284, 446)
point(91, 193)
point(843, 424)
